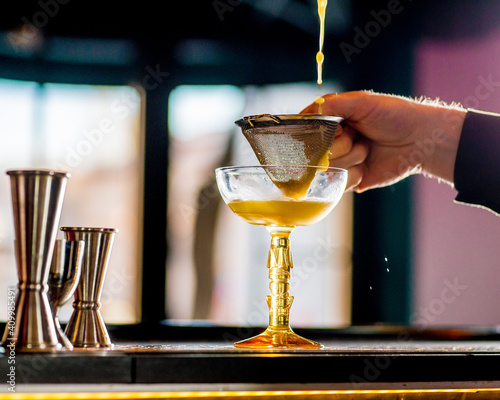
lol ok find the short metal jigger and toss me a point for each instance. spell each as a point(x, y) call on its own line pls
point(65, 271)
point(37, 199)
point(86, 327)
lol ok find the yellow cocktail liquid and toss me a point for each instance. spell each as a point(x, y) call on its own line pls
point(281, 212)
point(297, 188)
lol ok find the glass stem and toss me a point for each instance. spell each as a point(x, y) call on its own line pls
point(280, 265)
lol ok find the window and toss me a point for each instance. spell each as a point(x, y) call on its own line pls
point(95, 133)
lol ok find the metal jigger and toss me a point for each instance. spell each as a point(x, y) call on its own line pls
point(65, 271)
point(37, 198)
point(86, 327)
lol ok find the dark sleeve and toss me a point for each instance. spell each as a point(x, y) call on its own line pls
point(477, 167)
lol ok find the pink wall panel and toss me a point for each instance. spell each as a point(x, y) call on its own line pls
point(456, 247)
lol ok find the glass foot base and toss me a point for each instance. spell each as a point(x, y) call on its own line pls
point(282, 339)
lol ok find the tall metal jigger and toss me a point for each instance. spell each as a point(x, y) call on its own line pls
point(37, 199)
point(86, 327)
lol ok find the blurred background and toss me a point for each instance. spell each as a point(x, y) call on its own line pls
point(138, 102)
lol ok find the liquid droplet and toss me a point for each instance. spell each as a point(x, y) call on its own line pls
point(320, 101)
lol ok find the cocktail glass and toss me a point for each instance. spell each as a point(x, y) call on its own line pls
point(280, 197)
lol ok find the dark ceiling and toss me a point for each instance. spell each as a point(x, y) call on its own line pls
point(186, 35)
point(249, 38)
point(264, 21)
point(162, 21)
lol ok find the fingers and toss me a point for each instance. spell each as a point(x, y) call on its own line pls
point(346, 152)
point(350, 155)
point(354, 177)
point(353, 161)
point(356, 156)
point(343, 142)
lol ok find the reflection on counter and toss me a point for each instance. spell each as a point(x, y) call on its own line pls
point(389, 394)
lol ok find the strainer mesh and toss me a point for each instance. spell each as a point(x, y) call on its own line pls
point(290, 140)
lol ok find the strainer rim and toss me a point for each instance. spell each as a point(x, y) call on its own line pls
point(264, 166)
point(277, 118)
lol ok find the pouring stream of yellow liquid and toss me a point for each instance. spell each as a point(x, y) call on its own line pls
point(297, 189)
point(319, 55)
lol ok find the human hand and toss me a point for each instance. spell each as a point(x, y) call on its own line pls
point(386, 138)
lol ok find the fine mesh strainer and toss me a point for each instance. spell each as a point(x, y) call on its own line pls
point(293, 139)
point(301, 139)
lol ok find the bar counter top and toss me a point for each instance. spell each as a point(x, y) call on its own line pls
point(353, 359)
